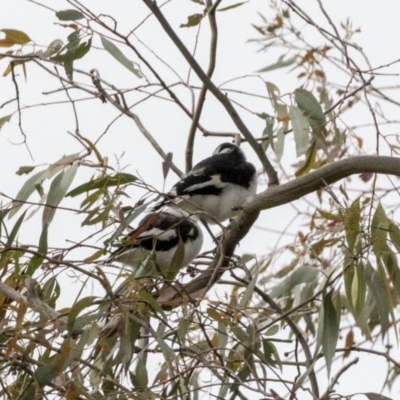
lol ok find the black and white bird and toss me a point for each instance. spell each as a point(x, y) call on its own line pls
point(216, 185)
point(150, 248)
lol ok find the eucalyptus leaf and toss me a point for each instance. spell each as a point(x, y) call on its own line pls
point(301, 129)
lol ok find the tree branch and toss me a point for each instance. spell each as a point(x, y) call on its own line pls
point(269, 169)
point(272, 197)
point(202, 96)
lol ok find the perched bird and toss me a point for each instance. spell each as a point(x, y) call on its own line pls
point(151, 247)
point(217, 185)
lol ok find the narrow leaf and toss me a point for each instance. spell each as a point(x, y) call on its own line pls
point(281, 63)
point(380, 295)
point(69, 15)
point(376, 396)
point(232, 6)
point(301, 129)
point(37, 260)
point(102, 183)
point(309, 162)
point(352, 224)
point(119, 56)
point(379, 231)
point(330, 330)
point(58, 189)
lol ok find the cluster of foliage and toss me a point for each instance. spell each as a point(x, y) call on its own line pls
point(341, 278)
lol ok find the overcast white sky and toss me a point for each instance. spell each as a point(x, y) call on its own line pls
point(46, 126)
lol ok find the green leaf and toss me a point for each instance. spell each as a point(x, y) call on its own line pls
point(53, 48)
point(25, 170)
point(352, 224)
point(119, 56)
point(271, 354)
point(102, 183)
point(57, 191)
point(330, 330)
point(376, 396)
point(248, 293)
point(37, 260)
point(268, 133)
point(32, 183)
point(394, 233)
point(281, 63)
point(379, 231)
point(47, 373)
point(5, 119)
point(193, 20)
point(77, 308)
point(300, 275)
point(380, 294)
point(280, 141)
point(309, 162)
point(140, 379)
point(17, 37)
point(392, 267)
point(176, 263)
point(232, 6)
point(310, 107)
point(69, 15)
point(301, 129)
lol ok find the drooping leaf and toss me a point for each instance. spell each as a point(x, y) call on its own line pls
point(300, 275)
point(268, 134)
point(193, 20)
point(5, 119)
point(248, 293)
point(301, 129)
point(330, 329)
point(310, 107)
point(380, 294)
point(352, 224)
point(77, 308)
point(379, 231)
point(53, 48)
point(103, 182)
point(17, 37)
point(119, 56)
point(34, 182)
point(45, 374)
point(37, 260)
point(140, 379)
point(69, 15)
point(281, 63)
point(280, 141)
point(309, 162)
point(176, 263)
point(394, 233)
point(57, 191)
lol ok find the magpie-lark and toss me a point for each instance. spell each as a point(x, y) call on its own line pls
point(216, 185)
point(150, 248)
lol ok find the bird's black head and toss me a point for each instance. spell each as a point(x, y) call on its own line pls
point(229, 148)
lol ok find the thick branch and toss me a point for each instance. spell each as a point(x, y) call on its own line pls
point(269, 169)
point(272, 197)
point(318, 179)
